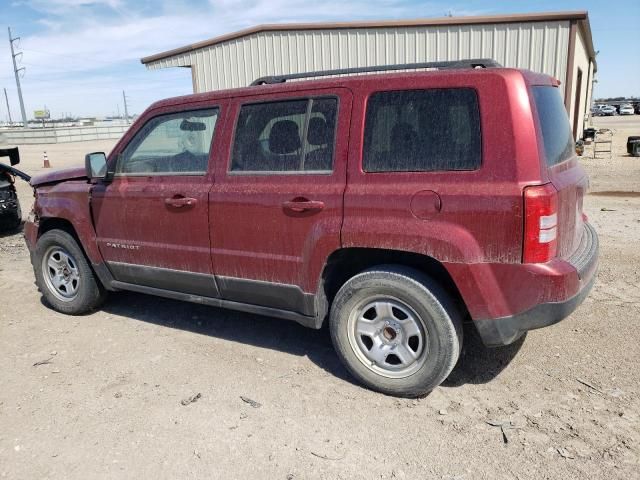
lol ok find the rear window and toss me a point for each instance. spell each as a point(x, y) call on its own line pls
point(554, 122)
point(422, 131)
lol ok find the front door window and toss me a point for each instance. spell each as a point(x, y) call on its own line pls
point(172, 144)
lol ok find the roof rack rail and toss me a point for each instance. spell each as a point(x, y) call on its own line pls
point(471, 63)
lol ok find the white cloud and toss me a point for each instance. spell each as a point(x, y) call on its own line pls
point(61, 6)
point(85, 50)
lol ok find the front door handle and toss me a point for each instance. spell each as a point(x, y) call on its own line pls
point(300, 205)
point(180, 202)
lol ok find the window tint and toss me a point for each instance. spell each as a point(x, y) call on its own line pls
point(554, 122)
point(289, 136)
point(422, 130)
point(177, 143)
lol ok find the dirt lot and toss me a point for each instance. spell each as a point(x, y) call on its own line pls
point(108, 402)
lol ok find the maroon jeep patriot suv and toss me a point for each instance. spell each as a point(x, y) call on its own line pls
point(392, 206)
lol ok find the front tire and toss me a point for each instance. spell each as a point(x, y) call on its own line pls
point(63, 275)
point(396, 330)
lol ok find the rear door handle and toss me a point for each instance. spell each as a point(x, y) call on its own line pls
point(180, 202)
point(299, 205)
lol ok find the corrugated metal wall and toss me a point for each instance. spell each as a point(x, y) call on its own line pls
point(538, 46)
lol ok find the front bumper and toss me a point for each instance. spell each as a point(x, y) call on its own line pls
point(505, 330)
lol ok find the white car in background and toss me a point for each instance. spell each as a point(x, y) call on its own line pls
point(626, 109)
point(607, 110)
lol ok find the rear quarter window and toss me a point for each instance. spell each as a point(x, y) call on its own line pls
point(554, 124)
point(422, 130)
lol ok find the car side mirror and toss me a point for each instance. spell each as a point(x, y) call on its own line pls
point(95, 165)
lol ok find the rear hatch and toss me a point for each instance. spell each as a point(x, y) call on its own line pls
point(563, 169)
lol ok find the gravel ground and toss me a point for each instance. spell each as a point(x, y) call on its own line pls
point(154, 388)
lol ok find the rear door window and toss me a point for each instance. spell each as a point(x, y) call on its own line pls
point(554, 122)
point(422, 131)
point(287, 136)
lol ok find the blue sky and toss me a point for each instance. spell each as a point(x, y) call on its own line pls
point(80, 54)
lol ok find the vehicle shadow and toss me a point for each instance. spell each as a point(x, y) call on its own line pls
point(477, 364)
point(257, 330)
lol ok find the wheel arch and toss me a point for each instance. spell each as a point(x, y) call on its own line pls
point(47, 224)
point(55, 223)
point(345, 263)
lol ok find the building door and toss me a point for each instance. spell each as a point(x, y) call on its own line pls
point(578, 113)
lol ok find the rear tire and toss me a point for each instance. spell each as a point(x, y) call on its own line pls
point(396, 330)
point(63, 275)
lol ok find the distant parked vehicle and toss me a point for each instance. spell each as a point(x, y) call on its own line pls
point(596, 110)
point(608, 110)
point(626, 109)
point(633, 146)
point(10, 213)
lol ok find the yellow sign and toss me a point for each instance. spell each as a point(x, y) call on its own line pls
point(41, 114)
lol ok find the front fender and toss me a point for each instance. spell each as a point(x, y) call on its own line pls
point(70, 201)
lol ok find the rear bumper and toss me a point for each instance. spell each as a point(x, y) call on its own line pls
point(505, 330)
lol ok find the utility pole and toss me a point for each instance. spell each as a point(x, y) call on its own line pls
point(126, 111)
point(16, 72)
point(6, 98)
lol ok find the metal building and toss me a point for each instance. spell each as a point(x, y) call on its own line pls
point(556, 43)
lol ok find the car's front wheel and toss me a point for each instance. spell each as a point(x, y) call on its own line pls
point(64, 276)
point(396, 330)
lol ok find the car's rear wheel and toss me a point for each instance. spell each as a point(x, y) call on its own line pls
point(396, 330)
point(64, 276)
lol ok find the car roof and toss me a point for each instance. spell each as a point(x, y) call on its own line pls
point(355, 80)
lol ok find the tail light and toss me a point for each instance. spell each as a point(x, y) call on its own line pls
point(540, 223)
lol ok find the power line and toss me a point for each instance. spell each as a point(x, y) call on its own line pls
point(73, 56)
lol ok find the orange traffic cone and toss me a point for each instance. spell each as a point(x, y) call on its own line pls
point(45, 161)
